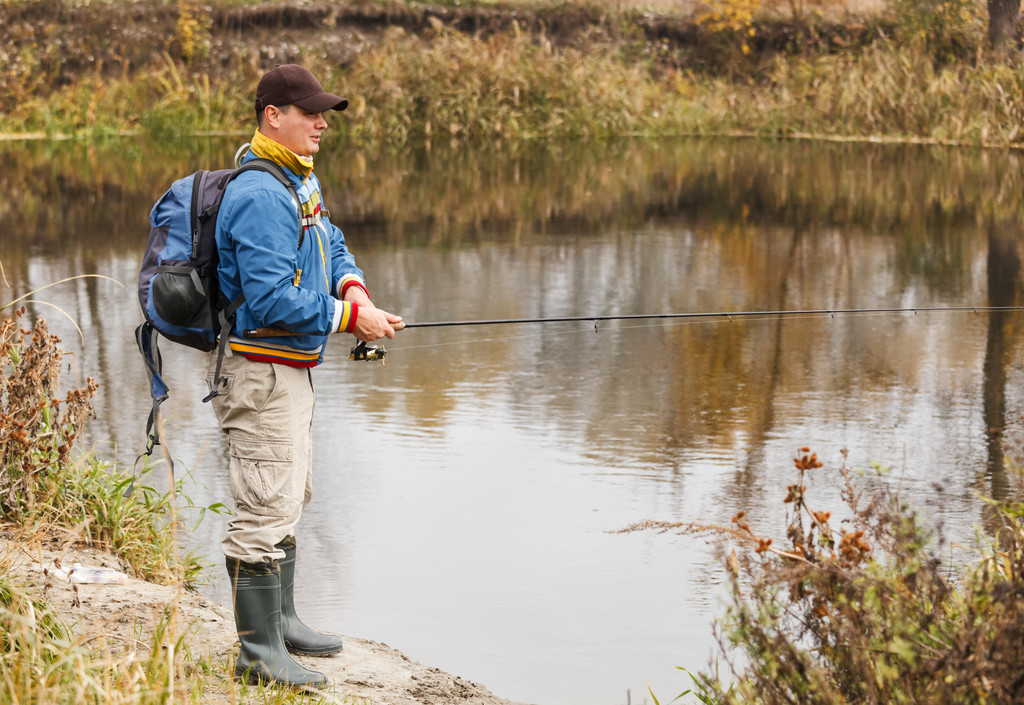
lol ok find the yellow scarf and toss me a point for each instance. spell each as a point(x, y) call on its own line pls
point(263, 146)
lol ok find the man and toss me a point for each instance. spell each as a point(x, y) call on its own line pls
point(309, 286)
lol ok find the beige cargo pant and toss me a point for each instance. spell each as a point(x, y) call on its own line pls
point(266, 410)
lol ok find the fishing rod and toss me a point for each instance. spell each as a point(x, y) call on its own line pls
point(364, 351)
point(706, 314)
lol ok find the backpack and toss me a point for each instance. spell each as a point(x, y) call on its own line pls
point(178, 286)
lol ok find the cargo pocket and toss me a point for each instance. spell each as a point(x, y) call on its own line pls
point(263, 477)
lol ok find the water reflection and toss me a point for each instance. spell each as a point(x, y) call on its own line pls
point(465, 490)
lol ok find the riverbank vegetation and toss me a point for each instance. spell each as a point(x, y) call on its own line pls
point(42, 486)
point(865, 606)
point(922, 71)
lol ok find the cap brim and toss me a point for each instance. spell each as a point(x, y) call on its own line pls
point(322, 102)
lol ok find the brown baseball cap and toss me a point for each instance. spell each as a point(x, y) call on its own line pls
point(291, 84)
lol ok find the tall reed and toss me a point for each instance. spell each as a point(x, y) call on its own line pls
point(453, 86)
point(43, 485)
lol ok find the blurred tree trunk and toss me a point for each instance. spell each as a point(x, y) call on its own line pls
point(1002, 23)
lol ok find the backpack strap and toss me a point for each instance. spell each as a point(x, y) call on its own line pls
point(277, 171)
point(226, 318)
point(146, 336)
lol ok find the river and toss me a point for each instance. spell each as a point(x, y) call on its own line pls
point(468, 493)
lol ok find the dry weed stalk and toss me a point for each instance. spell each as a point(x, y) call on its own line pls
point(37, 428)
point(865, 612)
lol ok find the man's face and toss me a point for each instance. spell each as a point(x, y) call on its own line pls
point(297, 129)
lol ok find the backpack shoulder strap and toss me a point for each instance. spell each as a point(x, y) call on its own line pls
point(275, 170)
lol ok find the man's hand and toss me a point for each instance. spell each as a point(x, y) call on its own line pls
point(372, 323)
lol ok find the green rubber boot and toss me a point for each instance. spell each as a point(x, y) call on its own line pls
point(299, 638)
point(256, 591)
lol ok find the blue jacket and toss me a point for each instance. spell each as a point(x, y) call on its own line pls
point(296, 288)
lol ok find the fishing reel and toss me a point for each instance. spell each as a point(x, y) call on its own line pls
point(369, 353)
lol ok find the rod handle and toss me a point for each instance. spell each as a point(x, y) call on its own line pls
point(265, 332)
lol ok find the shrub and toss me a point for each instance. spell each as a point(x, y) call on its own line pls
point(945, 29)
point(863, 610)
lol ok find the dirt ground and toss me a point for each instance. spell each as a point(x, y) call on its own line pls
point(123, 616)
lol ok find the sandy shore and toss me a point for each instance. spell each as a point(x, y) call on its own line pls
point(125, 614)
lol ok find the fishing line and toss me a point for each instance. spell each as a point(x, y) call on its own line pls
point(575, 331)
point(475, 341)
point(711, 314)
